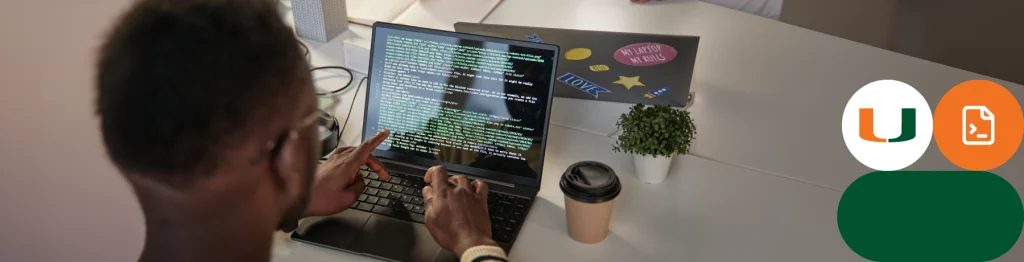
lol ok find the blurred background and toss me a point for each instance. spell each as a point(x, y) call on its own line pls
point(981, 36)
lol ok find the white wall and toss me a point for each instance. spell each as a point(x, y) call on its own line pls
point(61, 198)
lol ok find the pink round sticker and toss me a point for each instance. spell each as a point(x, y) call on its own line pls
point(645, 54)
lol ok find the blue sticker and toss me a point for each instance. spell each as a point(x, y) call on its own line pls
point(534, 38)
point(656, 92)
point(582, 84)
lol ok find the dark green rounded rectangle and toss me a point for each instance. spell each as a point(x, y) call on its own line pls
point(930, 216)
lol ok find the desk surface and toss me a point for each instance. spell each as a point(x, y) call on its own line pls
point(769, 163)
point(769, 95)
point(704, 211)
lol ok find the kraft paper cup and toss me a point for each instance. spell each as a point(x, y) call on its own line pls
point(590, 190)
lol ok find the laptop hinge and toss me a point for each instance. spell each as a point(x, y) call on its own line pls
point(467, 175)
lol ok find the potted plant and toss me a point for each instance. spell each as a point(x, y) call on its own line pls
point(654, 135)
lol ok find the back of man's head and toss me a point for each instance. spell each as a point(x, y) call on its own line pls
point(182, 81)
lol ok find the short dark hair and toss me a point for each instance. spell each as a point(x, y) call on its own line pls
point(179, 79)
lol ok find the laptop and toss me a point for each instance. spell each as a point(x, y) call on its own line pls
point(477, 105)
point(612, 66)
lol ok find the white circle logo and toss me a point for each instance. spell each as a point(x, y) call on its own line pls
point(887, 125)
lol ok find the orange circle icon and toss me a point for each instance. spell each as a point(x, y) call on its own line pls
point(978, 125)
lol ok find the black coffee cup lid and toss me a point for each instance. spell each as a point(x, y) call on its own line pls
point(590, 182)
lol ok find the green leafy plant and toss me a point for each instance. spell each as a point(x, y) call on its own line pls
point(655, 130)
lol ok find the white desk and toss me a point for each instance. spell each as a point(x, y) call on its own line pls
point(769, 163)
point(769, 95)
point(704, 211)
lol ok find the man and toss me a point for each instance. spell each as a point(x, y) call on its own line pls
point(207, 108)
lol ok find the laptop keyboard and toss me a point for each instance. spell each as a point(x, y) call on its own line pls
point(507, 214)
point(401, 197)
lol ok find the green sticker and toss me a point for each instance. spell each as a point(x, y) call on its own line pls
point(930, 216)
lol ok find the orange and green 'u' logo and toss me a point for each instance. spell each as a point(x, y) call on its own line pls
point(908, 125)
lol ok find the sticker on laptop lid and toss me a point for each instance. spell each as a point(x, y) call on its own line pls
point(629, 82)
point(582, 84)
point(645, 54)
point(534, 38)
point(578, 53)
point(599, 68)
point(655, 93)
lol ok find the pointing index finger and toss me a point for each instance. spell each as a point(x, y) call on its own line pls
point(367, 147)
point(363, 155)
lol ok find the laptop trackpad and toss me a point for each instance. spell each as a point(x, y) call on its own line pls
point(398, 240)
point(339, 230)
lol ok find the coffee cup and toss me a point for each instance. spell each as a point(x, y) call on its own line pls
point(590, 189)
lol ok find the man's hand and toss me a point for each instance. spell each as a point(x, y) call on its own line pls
point(456, 211)
point(338, 182)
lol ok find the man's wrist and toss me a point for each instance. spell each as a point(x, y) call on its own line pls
point(461, 248)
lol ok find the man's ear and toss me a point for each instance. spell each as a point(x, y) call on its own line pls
point(288, 164)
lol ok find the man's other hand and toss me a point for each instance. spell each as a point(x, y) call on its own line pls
point(456, 211)
point(338, 183)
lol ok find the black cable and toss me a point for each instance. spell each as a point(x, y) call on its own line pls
point(305, 49)
point(339, 89)
point(352, 104)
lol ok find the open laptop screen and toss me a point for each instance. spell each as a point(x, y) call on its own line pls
point(475, 104)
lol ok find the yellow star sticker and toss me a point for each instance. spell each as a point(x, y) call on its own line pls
point(629, 82)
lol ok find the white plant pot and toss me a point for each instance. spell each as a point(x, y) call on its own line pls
point(651, 169)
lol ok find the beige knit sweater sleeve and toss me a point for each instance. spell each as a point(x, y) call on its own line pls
point(484, 254)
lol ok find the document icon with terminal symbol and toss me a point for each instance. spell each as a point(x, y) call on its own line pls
point(979, 126)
